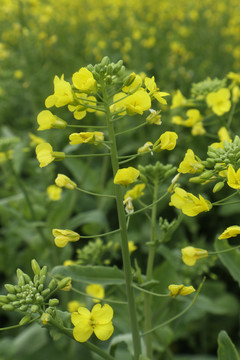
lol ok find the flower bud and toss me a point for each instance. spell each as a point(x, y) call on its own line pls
point(52, 285)
point(23, 308)
point(4, 299)
point(10, 288)
point(11, 297)
point(45, 318)
point(21, 281)
point(218, 186)
point(64, 283)
point(53, 302)
point(35, 267)
point(58, 155)
point(34, 308)
point(8, 307)
point(46, 292)
point(43, 270)
point(25, 320)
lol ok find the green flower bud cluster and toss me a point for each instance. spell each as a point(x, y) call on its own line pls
point(168, 228)
point(219, 160)
point(93, 253)
point(30, 296)
point(157, 172)
point(200, 90)
point(106, 71)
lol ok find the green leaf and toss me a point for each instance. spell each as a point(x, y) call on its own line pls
point(226, 349)
point(229, 259)
point(88, 217)
point(91, 274)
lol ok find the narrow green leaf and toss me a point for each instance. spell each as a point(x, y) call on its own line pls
point(229, 259)
point(226, 349)
point(91, 274)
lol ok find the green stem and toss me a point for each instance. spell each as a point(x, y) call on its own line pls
point(223, 251)
point(231, 116)
point(123, 227)
point(90, 346)
point(101, 235)
point(179, 314)
point(103, 300)
point(149, 206)
point(87, 155)
point(150, 262)
point(87, 126)
point(228, 197)
point(132, 129)
point(149, 292)
point(94, 194)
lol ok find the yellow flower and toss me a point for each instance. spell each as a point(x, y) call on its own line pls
point(193, 116)
point(131, 247)
point(180, 290)
point(189, 164)
point(188, 203)
point(99, 321)
point(86, 137)
point(63, 93)
point(80, 111)
point(84, 81)
point(219, 101)
point(44, 154)
point(126, 176)
point(178, 100)
point(68, 286)
point(138, 102)
point(235, 94)
point(63, 237)
point(47, 120)
point(54, 192)
point(224, 135)
point(233, 178)
point(35, 140)
point(235, 77)
point(147, 147)
point(191, 254)
point(167, 141)
point(231, 231)
point(198, 129)
point(69, 263)
point(73, 306)
point(18, 74)
point(154, 91)
point(118, 105)
point(95, 290)
point(64, 181)
point(4, 156)
point(135, 193)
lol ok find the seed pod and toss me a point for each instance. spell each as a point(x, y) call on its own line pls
point(10, 288)
point(25, 320)
point(35, 267)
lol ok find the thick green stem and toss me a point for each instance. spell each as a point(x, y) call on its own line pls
point(150, 263)
point(123, 227)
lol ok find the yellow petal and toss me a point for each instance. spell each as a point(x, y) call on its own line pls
point(103, 332)
point(102, 315)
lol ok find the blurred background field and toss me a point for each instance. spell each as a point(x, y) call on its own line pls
point(180, 42)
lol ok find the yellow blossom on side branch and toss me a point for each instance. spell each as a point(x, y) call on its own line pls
point(99, 321)
point(54, 192)
point(231, 231)
point(64, 181)
point(63, 237)
point(167, 141)
point(63, 93)
point(188, 203)
point(180, 290)
point(126, 176)
point(190, 165)
point(46, 120)
point(86, 137)
point(73, 305)
point(84, 81)
point(138, 102)
point(95, 290)
point(45, 154)
point(233, 178)
point(191, 254)
point(219, 101)
point(135, 193)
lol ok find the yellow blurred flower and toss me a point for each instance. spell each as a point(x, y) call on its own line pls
point(54, 192)
point(35, 140)
point(131, 247)
point(95, 290)
point(73, 306)
point(233, 178)
point(135, 193)
point(178, 100)
point(219, 101)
